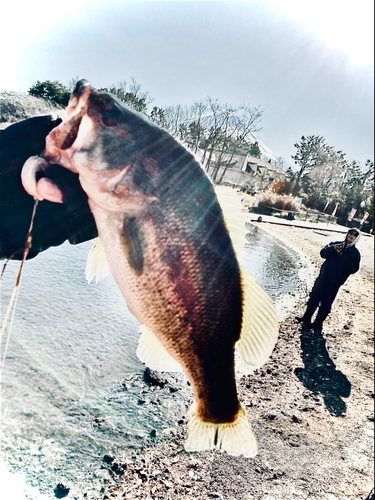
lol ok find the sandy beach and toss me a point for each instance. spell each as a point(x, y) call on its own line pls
point(311, 407)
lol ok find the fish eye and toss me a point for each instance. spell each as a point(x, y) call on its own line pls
point(111, 117)
point(108, 122)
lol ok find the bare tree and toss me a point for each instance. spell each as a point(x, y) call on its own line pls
point(240, 124)
point(72, 83)
point(215, 131)
point(198, 110)
point(175, 116)
point(281, 163)
point(136, 89)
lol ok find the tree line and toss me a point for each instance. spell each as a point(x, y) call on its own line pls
point(323, 177)
point(217, 129)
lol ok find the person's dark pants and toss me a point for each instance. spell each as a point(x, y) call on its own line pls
point(322, 295)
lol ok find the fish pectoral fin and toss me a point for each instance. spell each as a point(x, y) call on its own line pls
point(97, 264)
point(151, 352)
point(236, 438)
point(260, 326)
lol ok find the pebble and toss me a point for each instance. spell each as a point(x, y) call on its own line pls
point(296, 420)
point(270, 416)
point(154, 378)
point(61, 491)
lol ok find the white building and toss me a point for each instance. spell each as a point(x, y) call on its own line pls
point(241, 171)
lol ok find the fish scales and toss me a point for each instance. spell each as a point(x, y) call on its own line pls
point(168, 248)
point(187, 295)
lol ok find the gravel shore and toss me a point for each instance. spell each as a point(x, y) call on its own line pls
point(311, 407)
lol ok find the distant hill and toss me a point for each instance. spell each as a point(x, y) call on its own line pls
point(16, 106)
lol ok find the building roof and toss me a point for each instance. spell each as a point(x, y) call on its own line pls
point(240, 162)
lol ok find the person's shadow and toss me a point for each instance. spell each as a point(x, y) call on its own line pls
point(320, 374)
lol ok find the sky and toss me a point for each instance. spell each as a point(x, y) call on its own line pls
point(309, 65)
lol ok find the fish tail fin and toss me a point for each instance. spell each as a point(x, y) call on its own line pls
point(97, 265)
point(236, 438)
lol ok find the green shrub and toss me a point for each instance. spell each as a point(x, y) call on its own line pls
point(53, 92)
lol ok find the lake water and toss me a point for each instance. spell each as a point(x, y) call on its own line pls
point(62, 406)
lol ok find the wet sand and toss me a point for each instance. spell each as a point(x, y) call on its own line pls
point(311, 407)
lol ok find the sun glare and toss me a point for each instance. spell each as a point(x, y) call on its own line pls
point(347, 26)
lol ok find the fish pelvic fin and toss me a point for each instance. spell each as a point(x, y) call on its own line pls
point(260, 326)
point(97, 266)
point(236, 438)
point(151, 352)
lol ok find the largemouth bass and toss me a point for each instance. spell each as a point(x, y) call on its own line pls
point(168, 247)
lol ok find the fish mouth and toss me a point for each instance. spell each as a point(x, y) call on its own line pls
point(65, 135)
point(71, 132)
point(81, 88)
point(85, 101)
point(77, 108)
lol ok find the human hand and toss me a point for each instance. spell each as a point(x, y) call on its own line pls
point(54, 222)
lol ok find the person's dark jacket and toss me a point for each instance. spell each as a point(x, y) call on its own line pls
point(54, 222)
point(338, 267)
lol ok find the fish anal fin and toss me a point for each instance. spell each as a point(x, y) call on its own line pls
point(151, 352)
point(97, 265)
point(260, 326)
point(236, 438)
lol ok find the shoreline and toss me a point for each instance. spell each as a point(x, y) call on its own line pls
point(311, 407)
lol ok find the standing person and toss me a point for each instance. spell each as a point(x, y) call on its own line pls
point(342, 260)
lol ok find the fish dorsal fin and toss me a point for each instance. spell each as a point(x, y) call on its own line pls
point(153, 354)
point(259, 322)
point(260, 326)
point(97, 266)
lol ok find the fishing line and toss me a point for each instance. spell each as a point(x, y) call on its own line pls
point(29, 239)
point(14, 298)
point(8, 338)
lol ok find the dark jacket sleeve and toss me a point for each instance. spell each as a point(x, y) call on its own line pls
point(54, 222)
point(329, 250)
point(350, 260)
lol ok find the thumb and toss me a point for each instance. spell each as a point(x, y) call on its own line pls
point(47, 190)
